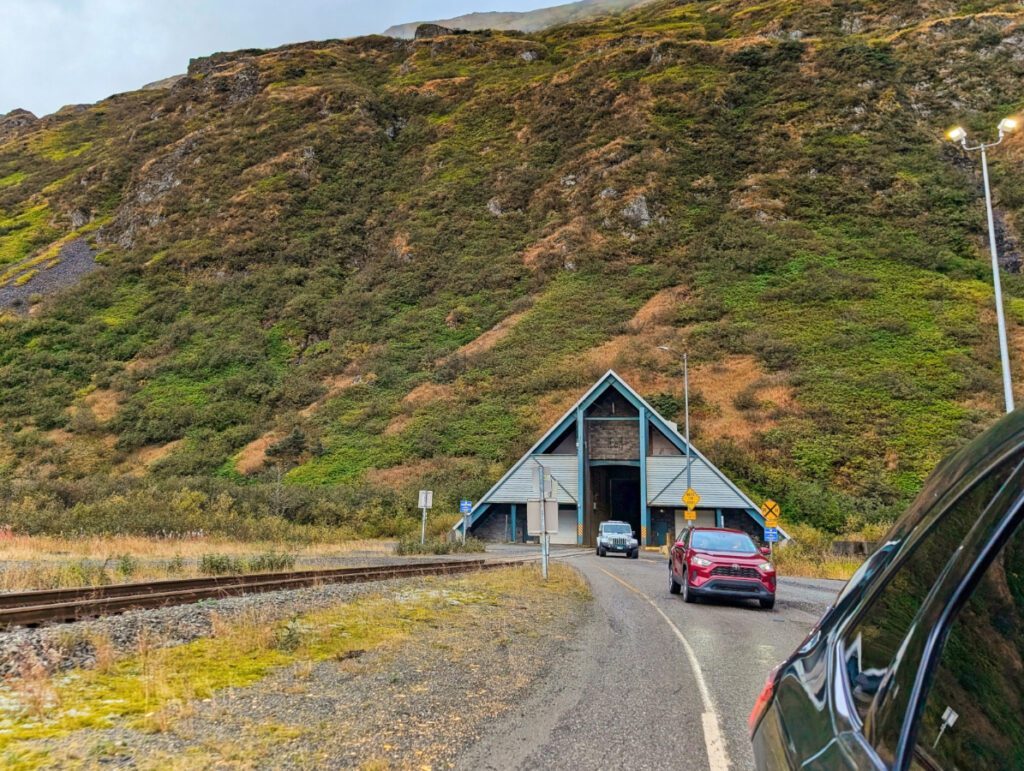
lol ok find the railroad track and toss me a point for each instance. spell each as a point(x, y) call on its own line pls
point(65, 605)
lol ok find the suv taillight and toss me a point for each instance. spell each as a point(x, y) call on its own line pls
point(763, 700)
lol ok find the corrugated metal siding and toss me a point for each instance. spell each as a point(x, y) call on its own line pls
point(714, 492)
point(518, 488)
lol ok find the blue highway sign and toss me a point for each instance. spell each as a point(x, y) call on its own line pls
point(771, 534)
point(465, 507)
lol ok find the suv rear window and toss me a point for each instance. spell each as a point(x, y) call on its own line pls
point(872, 643)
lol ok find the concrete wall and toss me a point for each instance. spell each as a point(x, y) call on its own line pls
point(613, 440)
point(493, 525)
point(705, 518)
point(567, 521)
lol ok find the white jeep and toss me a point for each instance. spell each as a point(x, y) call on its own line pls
point(615, 536)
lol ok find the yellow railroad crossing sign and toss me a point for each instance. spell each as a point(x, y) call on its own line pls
point(691, 499)
point(771, 513)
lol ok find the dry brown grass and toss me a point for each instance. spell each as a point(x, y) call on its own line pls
point(722, 382)
point(58, 548)
point(104, 404)
point(809, 554)
point(104, 652)
point(251, 458)
point(41, 562)
point(559, 246)
point(425, 393)
point(797, 565)
point(335, 384)
point(139, 461)
point(250, 631)
point(660, 309)
point(491, 337)
point(34, 687)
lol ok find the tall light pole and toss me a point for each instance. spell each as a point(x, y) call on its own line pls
point(958, 134)
point(686, 408)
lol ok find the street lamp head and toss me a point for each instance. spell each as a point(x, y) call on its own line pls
point(956, 134)
point(1007, 125)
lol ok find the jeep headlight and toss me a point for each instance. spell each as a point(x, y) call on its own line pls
point(700, 562)
point(633, 542)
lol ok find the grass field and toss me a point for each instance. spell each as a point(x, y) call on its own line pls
point(52, 562)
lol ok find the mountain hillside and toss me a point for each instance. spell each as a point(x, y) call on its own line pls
point(523, 21)
point(368, 265)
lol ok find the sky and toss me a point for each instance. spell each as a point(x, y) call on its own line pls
point(58, 52)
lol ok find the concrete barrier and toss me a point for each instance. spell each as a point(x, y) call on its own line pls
point(853, 548)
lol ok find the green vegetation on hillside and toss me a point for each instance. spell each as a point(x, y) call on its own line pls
point(303, 248)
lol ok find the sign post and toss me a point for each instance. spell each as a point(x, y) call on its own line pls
point(542, 513)
point(465, 507)
point(691, 498)
point(771, 512)
point(426, 502)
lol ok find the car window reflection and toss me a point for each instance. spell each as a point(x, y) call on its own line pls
point(974, 713)
point(871, 645)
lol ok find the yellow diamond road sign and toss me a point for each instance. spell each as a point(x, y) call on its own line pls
point(691, 499)
point(771, 512)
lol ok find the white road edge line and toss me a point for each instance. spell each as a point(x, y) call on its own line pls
point(718, 755)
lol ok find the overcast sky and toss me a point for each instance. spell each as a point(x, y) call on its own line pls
point(57, 52)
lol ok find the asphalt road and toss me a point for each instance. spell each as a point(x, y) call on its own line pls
point(652, 682)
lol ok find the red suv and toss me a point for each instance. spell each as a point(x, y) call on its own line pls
point(716, 562)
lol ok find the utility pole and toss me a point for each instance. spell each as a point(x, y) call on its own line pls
point(686, 408)
point(958, 134)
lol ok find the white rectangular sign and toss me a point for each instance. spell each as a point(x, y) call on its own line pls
point(426, 499)
point(533, 517)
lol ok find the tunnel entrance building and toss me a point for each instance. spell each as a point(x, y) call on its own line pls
point(612, 456)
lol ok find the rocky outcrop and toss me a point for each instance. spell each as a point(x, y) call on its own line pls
point(143, 206)
point(636, 212)
point(157, 85)
point(428, 31)
point(1010, 257)
point(72, 109)
point(233, 76)
point(16, 121)
point(79, 217)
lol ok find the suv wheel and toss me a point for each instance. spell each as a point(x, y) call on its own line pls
point(687, 595)
point(600, 552)
point(673, 585)
point(635, 554)
point(768, 604)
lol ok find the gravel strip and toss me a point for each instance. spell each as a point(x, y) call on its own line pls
point(69, 646)
point(416, 703)
point(76, 261)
